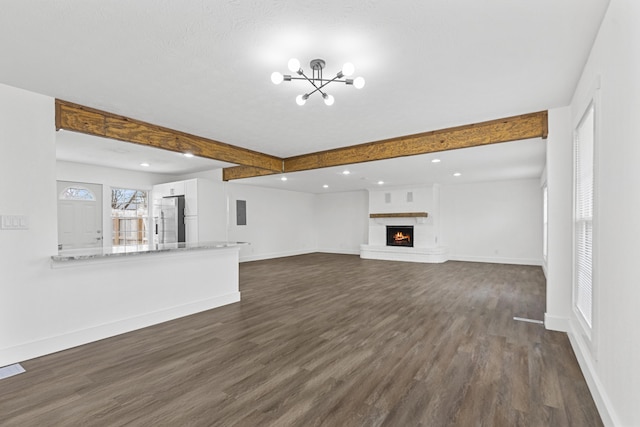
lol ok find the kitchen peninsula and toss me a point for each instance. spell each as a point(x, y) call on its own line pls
point(121, 290)
point(85, 254)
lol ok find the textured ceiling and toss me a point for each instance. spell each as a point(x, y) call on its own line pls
point(204, 66)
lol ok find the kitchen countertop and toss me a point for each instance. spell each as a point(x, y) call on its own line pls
point(134, 250)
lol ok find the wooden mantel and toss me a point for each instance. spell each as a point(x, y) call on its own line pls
point(399, 215)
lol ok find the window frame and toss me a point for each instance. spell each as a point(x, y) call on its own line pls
point(145, 233)
point(592, 99)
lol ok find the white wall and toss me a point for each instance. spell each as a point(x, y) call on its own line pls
point(611, 361)
point(498, 221)
point(27, 185)
point(342, 221)
point(43, 310)
point(279, 222)
point(560, 198)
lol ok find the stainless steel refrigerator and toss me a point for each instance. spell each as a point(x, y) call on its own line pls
point(169, 220)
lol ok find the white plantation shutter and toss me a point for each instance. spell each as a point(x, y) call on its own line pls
point(545, 222)
point(583, 226)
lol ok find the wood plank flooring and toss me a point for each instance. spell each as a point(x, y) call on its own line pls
point(326, 340)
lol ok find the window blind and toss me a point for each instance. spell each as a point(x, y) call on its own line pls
point(583, 226)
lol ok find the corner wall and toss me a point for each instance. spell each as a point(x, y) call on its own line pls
point(560, 200)
point(28, 187)
point(342, 221)
point(497, 221)
point(279, 223)
point(610, 360)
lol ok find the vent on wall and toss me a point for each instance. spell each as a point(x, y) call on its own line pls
point(387, 197)
point(409, 196)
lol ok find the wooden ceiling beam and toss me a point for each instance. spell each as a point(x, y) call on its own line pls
point(77, 118)
point(239, 172)
point(90, 121)
point(514, 128)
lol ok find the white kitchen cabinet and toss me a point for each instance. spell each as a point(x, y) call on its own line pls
point(205, 207)
point(168, 189)
point(191, 196)
point(191, 229)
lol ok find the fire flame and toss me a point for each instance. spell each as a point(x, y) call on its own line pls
point(399, 236)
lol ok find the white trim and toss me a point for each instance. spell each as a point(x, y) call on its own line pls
point(260, 257)
point(69, 340)
point(600, 397)
point(497, 260)
point(556, 323)
point(339, 251)
point(591, 98)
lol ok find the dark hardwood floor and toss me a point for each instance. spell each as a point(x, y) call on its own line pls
point(327, 340)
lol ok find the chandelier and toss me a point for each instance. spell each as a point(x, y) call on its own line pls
point(316, 79)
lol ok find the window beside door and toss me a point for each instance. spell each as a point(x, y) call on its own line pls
point(129, 216)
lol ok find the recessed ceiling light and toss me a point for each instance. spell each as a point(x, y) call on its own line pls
point(284, 178)
point(380, 182)
point(345, 172)
point(189, 155)
point(144, 164)
point(325, 186)
point(457, 174)
point(436, 161)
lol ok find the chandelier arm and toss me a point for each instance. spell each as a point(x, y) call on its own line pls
point(323, 80)
point(317, 89)
point(308, 79)
point(335, 79)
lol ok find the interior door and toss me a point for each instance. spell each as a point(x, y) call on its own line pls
point(79, 215)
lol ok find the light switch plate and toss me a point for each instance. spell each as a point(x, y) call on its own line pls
point(14, 222)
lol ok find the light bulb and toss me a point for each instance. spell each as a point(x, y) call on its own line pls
point(348, 69)
point(328, 99)
point(301, 100)
point(277, 78)
point(294, 65)
point(358, 82)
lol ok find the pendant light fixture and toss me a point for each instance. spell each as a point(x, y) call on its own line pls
point(316, 79)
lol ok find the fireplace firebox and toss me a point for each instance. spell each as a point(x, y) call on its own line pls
point(400, 235)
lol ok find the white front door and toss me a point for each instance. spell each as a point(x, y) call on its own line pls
point(79, 215)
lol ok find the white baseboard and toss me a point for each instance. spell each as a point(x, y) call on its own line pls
point(556, 323)
point(340, 251)
point(496, 260)
point(69, 340)
point(600, 397)
point(260, 257)
point(404, 254)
